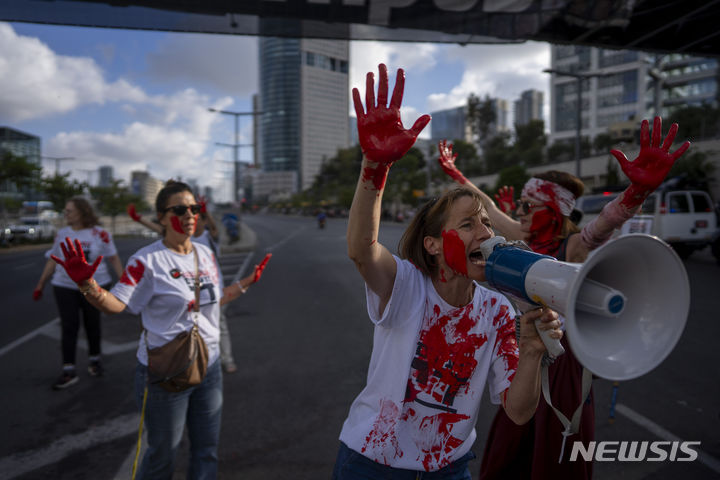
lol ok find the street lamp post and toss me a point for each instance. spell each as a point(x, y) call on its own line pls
point(57, 161)
point(235, 146)
point(579, 77)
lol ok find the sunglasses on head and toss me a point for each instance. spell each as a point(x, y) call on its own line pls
point(180, 210)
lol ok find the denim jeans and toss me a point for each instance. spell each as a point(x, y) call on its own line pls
point(351, 465)
point(167, 414)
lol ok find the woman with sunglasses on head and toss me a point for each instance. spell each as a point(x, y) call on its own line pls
point(83, 226)
point(439, 336)
point(543, 221)
point(159, 284)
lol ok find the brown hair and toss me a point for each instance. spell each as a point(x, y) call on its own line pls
point(571, 183)
point(428, 222)
point(171, 188)
point(87, 214)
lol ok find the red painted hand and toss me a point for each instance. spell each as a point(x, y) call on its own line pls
point(202, 201)
point(447, 162)
point(133, 213)
point(383, 138)
point(75, 264)
point(652, 164)
point(37, 294)
point(506, 199)
point(259, 268)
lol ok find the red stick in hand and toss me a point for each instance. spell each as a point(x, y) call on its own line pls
point(75, 264)
point(259, 268)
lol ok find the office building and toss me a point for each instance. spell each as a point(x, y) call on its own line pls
point(529, 107)
point(622, 88)
point(23, 145)
point(304, 98)
point(105, 176)
point(143, 184)
point(450, 124)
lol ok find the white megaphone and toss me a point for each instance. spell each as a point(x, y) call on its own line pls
point(625, 307)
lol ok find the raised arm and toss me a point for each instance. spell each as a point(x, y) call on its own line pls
point(82, 273)
point(233, 291)
point(646, 173)
point(509, 227)
point(383, 140)
point(143, 221)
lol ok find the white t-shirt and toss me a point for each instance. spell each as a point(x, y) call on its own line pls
point(428, 369)
point(159, 285)
point(95, 241)
point(206, 239)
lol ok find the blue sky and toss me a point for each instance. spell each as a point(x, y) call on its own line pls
point(138, 99)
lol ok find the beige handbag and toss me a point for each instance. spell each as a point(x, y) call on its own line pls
point(182, 362)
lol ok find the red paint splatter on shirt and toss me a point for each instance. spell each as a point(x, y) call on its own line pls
point(505, 342)
point(133, 274)
point(445, 358)
point(104, 236)
point(382, 440)
point(434, 438)
point(454, 252)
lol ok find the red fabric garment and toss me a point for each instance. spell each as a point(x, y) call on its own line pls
point(531, 451)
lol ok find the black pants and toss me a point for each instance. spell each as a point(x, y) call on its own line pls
point(70, 303)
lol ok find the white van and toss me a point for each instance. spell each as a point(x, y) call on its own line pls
point(683, 218)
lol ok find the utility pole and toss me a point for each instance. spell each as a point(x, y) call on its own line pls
point(57, 161)
point(579, 77)
point(235, 146)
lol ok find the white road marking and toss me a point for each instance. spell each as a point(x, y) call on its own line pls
point(47, 328)
point(652, 427)
point(21, 463)
point(24, 266)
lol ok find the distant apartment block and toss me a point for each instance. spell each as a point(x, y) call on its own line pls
point(627, 91)
point(304, 99)
point(529, 107)
point(105, 176)
point(20, 144)
point(143, 184)
point(450, 124)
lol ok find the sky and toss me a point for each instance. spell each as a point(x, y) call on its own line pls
point(138, 100)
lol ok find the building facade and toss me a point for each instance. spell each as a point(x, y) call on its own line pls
point(105, 176)
point(450, 124)
point(23, 145)
point(623, 86)
point(304, 102)
point(529, 107)
point(143, 184)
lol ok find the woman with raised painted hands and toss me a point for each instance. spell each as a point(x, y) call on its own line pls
point(545, 205)
point(439, 336)
point(158, 283)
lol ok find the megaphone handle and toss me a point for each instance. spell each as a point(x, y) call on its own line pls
point(554, 348)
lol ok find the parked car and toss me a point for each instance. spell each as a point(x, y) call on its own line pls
point(683, 218)
point(30, 228)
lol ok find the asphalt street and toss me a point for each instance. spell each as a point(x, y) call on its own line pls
point(302, 340)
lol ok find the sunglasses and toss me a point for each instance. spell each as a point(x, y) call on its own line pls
point(526, 206)
point(180, 210)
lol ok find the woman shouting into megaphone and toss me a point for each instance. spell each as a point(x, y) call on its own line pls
point(543, 220)
point(440, 337)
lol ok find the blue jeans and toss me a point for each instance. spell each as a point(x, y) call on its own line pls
point(166, 415)
point(350, 465)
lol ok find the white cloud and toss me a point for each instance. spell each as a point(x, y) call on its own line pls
point(217, 61)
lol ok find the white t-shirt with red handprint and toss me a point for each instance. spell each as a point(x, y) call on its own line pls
point(95, 241)
point(429, 366)
point(158, 284)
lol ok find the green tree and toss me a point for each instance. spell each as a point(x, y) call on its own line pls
point(530, 141)
point(407, 175)
point(513, 176)
point(695, 167)
point(58, 189)
point(18, 170)
point(612, 175)
point(696, 122)
point(467, 160)
point(114, 199)
point(498, 154)
point(481, 115)
point(603, 143)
